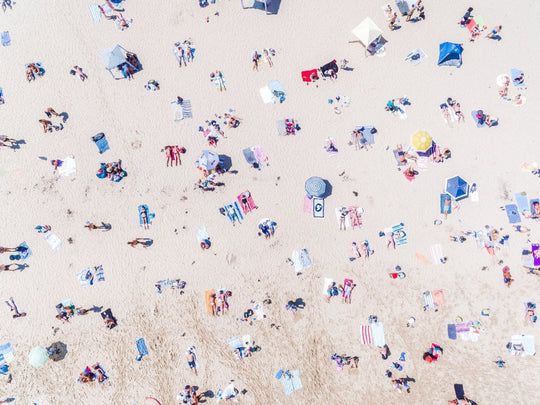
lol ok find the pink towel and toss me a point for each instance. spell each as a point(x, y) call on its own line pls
point(250, 203)
point(463, 327)
point(366, 335)
point(308, 205)
point(438, 298)
point(259, 154)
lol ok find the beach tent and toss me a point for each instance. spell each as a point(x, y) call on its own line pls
point(450, 54)
point(269, 6)
point(368, 34)
point(115, 57)
point(456, 187)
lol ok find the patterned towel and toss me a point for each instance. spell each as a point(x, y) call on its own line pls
point(366, 335)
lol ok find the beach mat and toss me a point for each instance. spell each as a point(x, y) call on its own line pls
point(101, 142)
point(460, 392)
point(522, 202)
point(53, 241)
point(438, 298)
point(366, 334)
point(377, 331)
point(512, 213)
point(209, 301)
point(443, 197)
point(318, 208)
point(452, 334)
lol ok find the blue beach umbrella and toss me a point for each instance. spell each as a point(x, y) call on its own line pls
point(315, 187)
point(457, 188)
point(208, 160)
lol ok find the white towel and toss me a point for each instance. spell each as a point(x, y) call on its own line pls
point(95, 12)
point(436, 253)
point(68, 167)
point(327, 282)
point(377, 330)
point(267, 95)
point(53, 240)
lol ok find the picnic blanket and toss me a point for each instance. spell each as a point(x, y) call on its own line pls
point(416, 56)
point(6, 39)
point(366, 334)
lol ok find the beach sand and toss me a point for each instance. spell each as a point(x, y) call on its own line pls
point(138, 124)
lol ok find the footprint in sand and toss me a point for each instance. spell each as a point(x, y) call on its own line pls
point(136, 144)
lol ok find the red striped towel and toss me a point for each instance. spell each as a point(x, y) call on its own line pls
point(366, 334)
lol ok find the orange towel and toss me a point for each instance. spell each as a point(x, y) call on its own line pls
point(423, 259)
point(210, 298)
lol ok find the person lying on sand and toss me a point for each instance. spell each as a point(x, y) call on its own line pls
point(13, 308)
point(403, 156)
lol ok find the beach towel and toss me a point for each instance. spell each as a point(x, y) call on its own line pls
point(308, 205)
point(249, 156)
point(304, 258)
point(452, 333)
point(142, 349)
point(416, 56)
point(328, 143)
point(355, 216)
point(398, 158)
point(68, 167)
point(366, 334)
point(209, 300)
point(338, 216)
point(149, 215)
point(202, 234)
point(86, 276)
point(422, 258)
point(476, 120)
point(522, 202)
point(512, 213)
point(219, 81)
point(377, 331)
point(345, 282)
point(532, 202)
point(266, 95)
point(235, 343)
point(403, 7)
point(247, 341)
point(278, 92)
point(99, 275)
point(535, 250)
point(53, 241)
point(515, 73)
point(368, 132)
point(528, 344)
point(6, 353)
point(400, 236)
point(259, 154)
point(181, 111)
point(101, 142)
point(290, 380)
point(95, 13)
point(438, 298)
point(306, 75)
point(103, 373)
point(235, 214)
point(286, 127)
point(458, 389)
point(24, 251)
point(428, 300)
point(443, 198)
point(327, 281)
point(108, 314)
point(251, 203)
point(6, 39)
point(318, 207)
point(436, 253)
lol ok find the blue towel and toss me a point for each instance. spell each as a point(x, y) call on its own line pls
point(476, 120)
point(366, 132)
point(149, 216)
point(141, 347)
point(101, 142)
point(522, 202)
point(532, 202)
point(6, 40)
point(444, 196)
point(513, 213)
point(452, 334)
point(26, 252)
point(515, 73)
point(400, 237)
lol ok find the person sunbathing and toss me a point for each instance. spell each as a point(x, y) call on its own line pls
point(403, 156)
point(521, 228)
point(109, 322)
point(490, 121)
point(446, 114)
point(507, 277)
point(530, 315)
point(347, 290)
point(13, 308)
point(78, 70)
point(145, 242)
point(232, 122)
point(101, 377)
point(535, 210)
point(246, 205)
point(144, 217)
point(384, 351)
point(519, 79)
point(330, 147)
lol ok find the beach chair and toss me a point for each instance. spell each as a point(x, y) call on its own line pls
point(101, 142)
point(142, 349)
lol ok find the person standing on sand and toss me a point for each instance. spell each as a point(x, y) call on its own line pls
point(190, 357)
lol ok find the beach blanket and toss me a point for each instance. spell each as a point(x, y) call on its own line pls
point(532, 202)
point(512, 213)
point(234, 214)
point(286, 127)
point(249, 156)
point(416, 56)
point(522, 345)
point(278, 92)
point(443, 198)
point(338, 216)
point(522, 202)
point(301, 260)
point(400, 236)
point(308, 205)
point(6, 39)
point(259, 155)
point(149, 215)
point(101, 142)
point(251, 204)
point(436, 253)
point(86, 276)
point(515, 73)
point(53, 241)
point(366, 334)
point(290, 380)
point(68, 167)
point(377, 331)
point(95, 13)
point(476, 120)
point(142, 349)
point(306, 75)
point(318, 207)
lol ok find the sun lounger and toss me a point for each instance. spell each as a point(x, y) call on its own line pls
point(437, 253)
point(142, 349)
point(6, 39)
point(149, 215)
point(416, 56)
point(512, 213)
point(318, 207)
point(522, 202)
point(101, 142)
point(515, 73)
point(53, 241)
point(377, 331)
point(108, 314)
point(86, 276)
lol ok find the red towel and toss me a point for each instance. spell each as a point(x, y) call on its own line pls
point(306, 75)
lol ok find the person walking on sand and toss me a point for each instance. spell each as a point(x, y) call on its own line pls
point(255, 58)
point(190, 357)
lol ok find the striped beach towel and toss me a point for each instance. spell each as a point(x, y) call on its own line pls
point(428, 300)
point(95, 12)
point(366, 335)
point(186, 109)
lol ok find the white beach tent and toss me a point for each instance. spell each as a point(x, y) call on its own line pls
point(367, 32)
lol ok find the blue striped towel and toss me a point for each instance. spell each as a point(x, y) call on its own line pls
point(186, 109)
point(95, 12)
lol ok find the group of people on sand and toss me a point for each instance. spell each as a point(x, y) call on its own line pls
point(220, 302)
point(172, 153)
point(77, 70)
point(364, 247)
point(48, 126)
point(267, 228)
point(32, 70)
point(456, 110)
point(267, 54)
point(184, 52)
point(113, 171)
point(392, 16)
point(64, 313)
point(96, 373)
point(344, 289)
point(4, 140)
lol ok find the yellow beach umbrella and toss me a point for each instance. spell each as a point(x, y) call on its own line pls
point(421, 141)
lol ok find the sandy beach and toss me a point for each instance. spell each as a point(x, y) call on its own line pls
point(138, 124)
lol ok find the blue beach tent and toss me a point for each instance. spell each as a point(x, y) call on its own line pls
point(450, 54)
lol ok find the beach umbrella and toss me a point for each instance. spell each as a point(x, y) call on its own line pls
point(421, 141)
point(208, 160)
point(315, 187)
point(38, 356)
point(112, 57)
point(456, 187)
point(57, 351)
